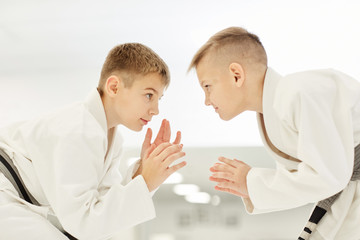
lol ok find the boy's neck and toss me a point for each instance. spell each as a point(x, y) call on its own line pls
point(260, 93)
point(110, 118)
point(256, 92)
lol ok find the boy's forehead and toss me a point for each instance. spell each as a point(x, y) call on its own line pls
point(207, 70)
point(202, 68)
point(150, 82)
point(150, 78)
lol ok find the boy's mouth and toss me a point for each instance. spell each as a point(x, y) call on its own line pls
point(144, 121)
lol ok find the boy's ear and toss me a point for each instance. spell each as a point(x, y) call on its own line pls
point(238, 73)
point(113, 83)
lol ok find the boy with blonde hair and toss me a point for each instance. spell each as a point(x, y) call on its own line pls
point(59, 174)
point(309, 122)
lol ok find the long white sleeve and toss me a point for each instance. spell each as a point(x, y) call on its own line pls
point(68, 163)
point(87, 205)
point(316, 128)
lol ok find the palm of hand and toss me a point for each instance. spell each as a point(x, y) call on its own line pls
point(163, 136)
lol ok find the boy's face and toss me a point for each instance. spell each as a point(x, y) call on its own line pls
point(136, 105)
point(221, 90)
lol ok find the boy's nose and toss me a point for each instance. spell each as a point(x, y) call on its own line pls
point(207, 101)
point(154, 110)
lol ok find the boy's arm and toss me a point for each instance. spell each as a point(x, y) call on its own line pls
point(320, 125)
point(81, 196)
point(231, 177)
point(322, 128)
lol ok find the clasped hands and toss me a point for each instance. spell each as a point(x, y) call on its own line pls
point(157, 157)
point(230, 176)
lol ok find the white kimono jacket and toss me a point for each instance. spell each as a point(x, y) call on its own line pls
point(314, 117)
point(70, 167)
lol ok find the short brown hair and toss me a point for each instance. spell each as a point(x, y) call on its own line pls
point(233, 42)
point(131, 59)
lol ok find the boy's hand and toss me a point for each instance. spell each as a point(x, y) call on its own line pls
point(156, 165)
point(231, 176)
point(163, 136)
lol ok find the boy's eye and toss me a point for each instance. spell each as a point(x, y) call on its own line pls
point(207, 86)
point(149, 96)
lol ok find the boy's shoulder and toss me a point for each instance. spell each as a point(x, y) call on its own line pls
point(86, 115)
point(309, 81)
point(293, 88)
point(72, 119)
point(310, 75)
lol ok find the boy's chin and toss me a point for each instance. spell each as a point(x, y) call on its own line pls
point(135, 128)
point(226, 117)
point(138, 129)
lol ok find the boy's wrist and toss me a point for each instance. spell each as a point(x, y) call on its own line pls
point(139, 170)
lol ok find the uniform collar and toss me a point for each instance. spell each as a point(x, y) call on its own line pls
point(271, 81)
point(95, 106)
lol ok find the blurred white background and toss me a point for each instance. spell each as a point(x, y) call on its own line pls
point(51, 54)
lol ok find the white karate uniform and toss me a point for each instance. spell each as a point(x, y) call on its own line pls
point(69, 162)
point(314, 117)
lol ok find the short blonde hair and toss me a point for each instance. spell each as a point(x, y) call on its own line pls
point(233, 43)
point(130, 60)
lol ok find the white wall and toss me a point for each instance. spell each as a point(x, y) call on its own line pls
point(51, 52)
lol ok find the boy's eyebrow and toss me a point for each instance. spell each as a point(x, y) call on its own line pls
point(152, 89)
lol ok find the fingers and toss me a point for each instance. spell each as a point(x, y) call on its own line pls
point(148, 135)
point(178, 138)
point(219, 167)
point(170, 154)
point(230, 187)
point(160, 134)
point(159, 149)
point(223, 175)
point(231, 191)
point(224, 189)
point(176, 167)
point(172, 169)
point(164, 133)
point(171, 149)
point(238, 161)
point(167, 132)
point(147, 140)
point(228, 184)
point(149, 151)
point(232, 162)
point(216, 168)
point(214, 179)
point(172, 157)
point(227, 161)
point(212, 169)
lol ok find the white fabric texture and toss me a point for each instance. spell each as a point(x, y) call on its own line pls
point(69, 161)
point(314, 117)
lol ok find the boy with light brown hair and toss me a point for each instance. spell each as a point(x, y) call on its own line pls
point(309, 123)
point(59, 173)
